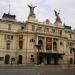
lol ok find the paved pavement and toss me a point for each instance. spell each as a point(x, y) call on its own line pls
point(36, 70)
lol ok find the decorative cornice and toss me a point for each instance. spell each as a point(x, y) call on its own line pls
point(13, 22)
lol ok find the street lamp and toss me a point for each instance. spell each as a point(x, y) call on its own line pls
point(38, 46)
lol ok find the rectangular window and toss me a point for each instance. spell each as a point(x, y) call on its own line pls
point(33, 27)
point(9, 26)
point(8, 37)
point(40, 28)
point(47, 30)
point(1, 58)
point(53, 30)
point(71, 50)
point(60, 32)
point(70, 36)
point(11, 37)
point(5, 36)
point(8, 46)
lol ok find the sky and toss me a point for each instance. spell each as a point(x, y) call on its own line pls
point(44, 10)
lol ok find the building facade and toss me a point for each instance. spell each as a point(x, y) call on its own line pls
point(34, 42)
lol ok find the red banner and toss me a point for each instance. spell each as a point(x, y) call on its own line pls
point(48, 43)
point(20, 37)
point(20, 41)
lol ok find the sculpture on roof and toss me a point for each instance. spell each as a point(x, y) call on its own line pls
point(57, 16)
point(31, 11)
point(56, 13)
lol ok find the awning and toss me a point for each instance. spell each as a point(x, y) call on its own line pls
point(45, 54)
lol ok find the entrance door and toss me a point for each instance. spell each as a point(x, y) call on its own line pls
point(48, 60)
point(71, 61)
point(55, 60)
point(39, 59)
point(7, 57)
point(20, 59)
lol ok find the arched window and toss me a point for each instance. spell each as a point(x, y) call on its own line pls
point(61, 44)
point(71, 60)
point(32, 58)
point(54, 46)
point(7, 58)
point(40, 43)
point(20, 59)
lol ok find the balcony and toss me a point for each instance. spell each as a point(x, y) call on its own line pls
point(51, 52)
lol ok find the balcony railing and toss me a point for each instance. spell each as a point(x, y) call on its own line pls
point(50, 51)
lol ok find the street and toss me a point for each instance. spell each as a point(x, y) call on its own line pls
point(37, 70)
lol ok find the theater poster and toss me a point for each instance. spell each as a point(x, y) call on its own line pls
point(20, 41)
point(48, 43)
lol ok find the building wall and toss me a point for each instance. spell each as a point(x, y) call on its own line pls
point(32, 32)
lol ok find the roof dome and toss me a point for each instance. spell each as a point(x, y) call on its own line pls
point(47, 21)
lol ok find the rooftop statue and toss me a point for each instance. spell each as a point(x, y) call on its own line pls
point(57, 16)
point(56, 13)
point(31, 10)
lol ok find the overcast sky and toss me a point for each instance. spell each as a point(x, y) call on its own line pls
point(44, 9)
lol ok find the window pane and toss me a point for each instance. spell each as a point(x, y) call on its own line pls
point(8, 36)
point(11, 37)
point(9, 26)
point(8, 45)
point(1, 58)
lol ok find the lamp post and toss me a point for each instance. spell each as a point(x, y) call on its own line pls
point(38, 46)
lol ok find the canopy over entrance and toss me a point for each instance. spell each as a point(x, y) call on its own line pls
point(49, 58)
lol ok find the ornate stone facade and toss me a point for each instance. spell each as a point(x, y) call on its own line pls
point(34, 42)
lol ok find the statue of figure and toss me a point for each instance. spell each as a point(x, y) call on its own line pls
point(31, 10)
point(57, 16)
point(56, 13)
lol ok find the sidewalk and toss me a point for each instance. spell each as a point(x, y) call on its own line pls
point(26, 66)
point(15, 66)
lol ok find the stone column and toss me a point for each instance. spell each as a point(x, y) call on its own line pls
point(45, 44)
point(52, 44)
point(58, 45)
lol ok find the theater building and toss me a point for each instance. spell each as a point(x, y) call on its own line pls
point(34, 42)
